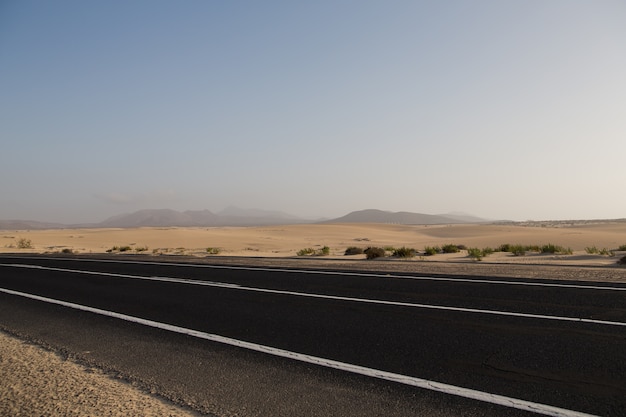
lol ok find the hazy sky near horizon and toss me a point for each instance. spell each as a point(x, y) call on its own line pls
point(503, 109)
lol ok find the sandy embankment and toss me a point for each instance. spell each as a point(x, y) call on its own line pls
point(37, 382)
point(287, 240)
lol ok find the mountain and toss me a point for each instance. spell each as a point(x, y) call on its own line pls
point(464, 217)
point(235, 216)
point(161, 218)
point(402, 217)
point(233, 211)
point(231, 216)
point(28, 225)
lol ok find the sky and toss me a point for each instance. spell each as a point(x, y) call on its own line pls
point(509, 109)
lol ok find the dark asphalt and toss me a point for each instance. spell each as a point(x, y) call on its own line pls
point(572, 365)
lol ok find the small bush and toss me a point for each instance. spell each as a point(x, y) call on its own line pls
point(23, 243)
point(431, 250)
point(622, 248)
point(488, 251)
point(475, 253)
point(372, 252)
point(622, 260)
point(404, 252)
point(505, 247)
point(306, 252)
point(141, 248)
point(592, 250)
point(450, 248)
point(353, 250)
point(125, 248)
point(324, 251)
point(213, 251)
point(517, 250)
point(67, 250)
point(550, 248)
point(606, 252)
point(389, 248)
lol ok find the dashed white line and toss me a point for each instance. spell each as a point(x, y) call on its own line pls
point(329, 363)
point(324, 296)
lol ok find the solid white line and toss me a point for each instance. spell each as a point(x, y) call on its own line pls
point(340, 273)
point(323, 296)
point(329, 363)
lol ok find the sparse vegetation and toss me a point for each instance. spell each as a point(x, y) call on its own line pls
point(404, 252)
point(213, 251)
point(312, 252)
point(622, 260)
point(478, 254)
point(591, 250)
point(141, 248)
point(449, 248)
point(475, 253)
point(622, 248)
point(431, 250)
point(353, 250)
point(550, 248)
point(373, 252)
point(23, 243)
point(119, 249)
point(67, 251)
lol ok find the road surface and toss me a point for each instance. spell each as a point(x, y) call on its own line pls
point(244, 341)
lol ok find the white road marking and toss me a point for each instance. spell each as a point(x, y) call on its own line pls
point(329, 363)
point(323, 296)
point(340, 273)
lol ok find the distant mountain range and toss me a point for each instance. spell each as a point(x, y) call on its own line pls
point(234, 216)
point(404, 217)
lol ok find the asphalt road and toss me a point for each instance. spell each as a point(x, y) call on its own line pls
point(356, 343)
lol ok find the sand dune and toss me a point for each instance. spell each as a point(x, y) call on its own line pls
point(287, 240)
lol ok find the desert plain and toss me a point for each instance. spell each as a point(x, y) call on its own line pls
point(287, 241)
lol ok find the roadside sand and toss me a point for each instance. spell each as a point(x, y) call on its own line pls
point(287, 240)
point(37, 382)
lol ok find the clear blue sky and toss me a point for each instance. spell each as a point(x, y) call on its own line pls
point(502, 109)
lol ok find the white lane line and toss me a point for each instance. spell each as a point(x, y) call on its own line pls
point(329, 363)
point(326, 297)
point(340, 273)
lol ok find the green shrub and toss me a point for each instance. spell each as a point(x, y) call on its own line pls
point(324, 251)
point(431, 250)
point(404, 252)
point(353, 250)
point(592, 250)
point(141, 248)
point(450, 248)
point(213, 251)
point(373, 252)
point(475, 253)
point(550, 248)
point(306, 252)
point(389, 249)
point(606, 252)
point(67, 250)
point(622, 248)
point(125, 248)
point(517, 250)
point(505, 247)
point(487, 251)
point(23, 243)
